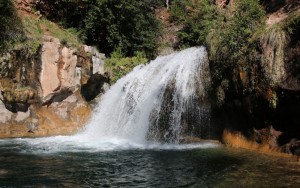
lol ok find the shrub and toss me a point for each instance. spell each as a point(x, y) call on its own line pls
point(199, 19)
point(228, 35)
point(127, 24)
point(107, 24)
point(11, 30)
point(236, 50)
point(118, 65)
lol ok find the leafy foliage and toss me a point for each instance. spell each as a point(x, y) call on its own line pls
point(118, 65)
point(11, 30)
point(228, 34)
point(127, 24)
point(236, 51)
point(69, 13)
point(246, 20)
point(199, 19)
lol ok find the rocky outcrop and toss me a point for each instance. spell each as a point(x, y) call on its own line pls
point(58, 70)
point(98, 82)
point(70, 70)
point(97, 59)
point(292, 147)
point(41, 94)
point(59, 118)
point(261, 93)
point(49, 78)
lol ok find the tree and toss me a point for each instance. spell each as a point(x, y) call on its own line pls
point(129, 25)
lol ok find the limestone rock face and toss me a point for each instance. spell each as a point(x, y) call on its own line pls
point(42, 94)
point(97, 58)
point(68, 71)
point(58, 69)
point(8, 116)
point(50, 62)
point(64, 70)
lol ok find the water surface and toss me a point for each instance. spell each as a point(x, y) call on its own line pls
point(34, 162)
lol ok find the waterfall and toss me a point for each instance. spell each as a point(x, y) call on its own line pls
point(161, 101)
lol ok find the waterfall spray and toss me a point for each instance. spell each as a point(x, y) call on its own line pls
point(160, 101)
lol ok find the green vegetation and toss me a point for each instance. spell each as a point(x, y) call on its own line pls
point(127, 24)
point(11, 30)
point(199, 19)
point(232, 35)
point(227, 33)
point(118, 65)
point(26, 32)
point(35, 29)
point(126, 30)
point(234, 50)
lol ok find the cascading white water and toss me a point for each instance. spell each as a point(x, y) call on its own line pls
point(135, 107)
point(161, 101)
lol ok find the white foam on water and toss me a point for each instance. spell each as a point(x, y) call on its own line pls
point(58, 144)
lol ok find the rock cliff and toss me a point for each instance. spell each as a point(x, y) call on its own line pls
point(262, 94)
point(41, 93)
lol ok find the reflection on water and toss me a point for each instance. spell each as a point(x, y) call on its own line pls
point(194, 167)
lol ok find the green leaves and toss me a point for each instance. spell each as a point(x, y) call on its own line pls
point(118, 65)
point(11, 30)
point(226, 32)
point(109, 24)
point(198, 18)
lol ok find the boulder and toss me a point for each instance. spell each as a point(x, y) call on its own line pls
point(50, 64)
point(7, 116)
